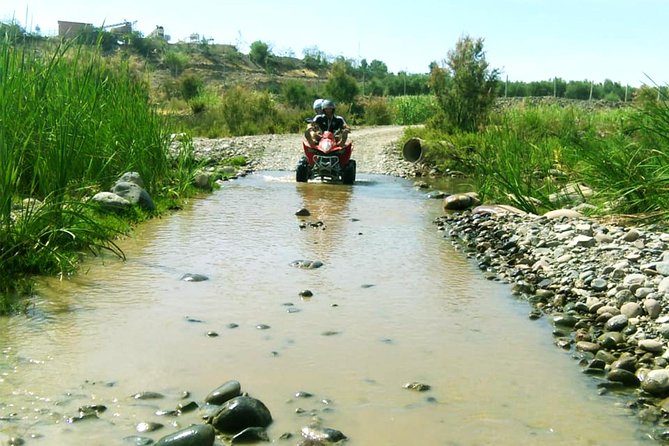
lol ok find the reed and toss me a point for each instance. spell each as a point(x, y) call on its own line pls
point(628, 163)
point(411, 110)
point(72, 123)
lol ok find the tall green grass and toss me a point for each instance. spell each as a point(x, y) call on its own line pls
point(411, 110)
point(622, 154)
point(71, 122)
point(628, 162)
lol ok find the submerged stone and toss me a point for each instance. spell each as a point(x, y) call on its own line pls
point(240, 413)
point(197, 435)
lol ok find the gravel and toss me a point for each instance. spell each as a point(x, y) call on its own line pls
point(604, 287)
point(374, 148)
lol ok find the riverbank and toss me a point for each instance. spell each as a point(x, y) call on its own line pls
point(605, 289)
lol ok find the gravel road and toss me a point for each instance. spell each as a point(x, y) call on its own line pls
point(375, 150)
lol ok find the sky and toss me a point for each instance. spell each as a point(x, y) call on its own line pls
point(626, 41)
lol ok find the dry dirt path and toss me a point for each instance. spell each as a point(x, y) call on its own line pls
point(375, 150)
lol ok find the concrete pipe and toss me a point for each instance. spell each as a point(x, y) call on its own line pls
point(413, 150)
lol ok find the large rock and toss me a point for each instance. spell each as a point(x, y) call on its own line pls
point(135, 194)
point(132, 177)
point(240, 413)
point(656, 382)
point(460, 202)
point(109, 200)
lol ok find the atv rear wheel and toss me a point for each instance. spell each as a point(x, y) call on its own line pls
point(302, 171)
point(348, 175)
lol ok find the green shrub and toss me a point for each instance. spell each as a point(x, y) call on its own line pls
point(378, 112)
point(259, 53)
point(175, 61)
point(191, 86)
point(296, 94)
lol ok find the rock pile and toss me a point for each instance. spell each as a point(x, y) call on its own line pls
point(605, 289)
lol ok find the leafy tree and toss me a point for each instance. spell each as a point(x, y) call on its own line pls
point(613, 91)
point(148, 47)
point(540, 88)
point(259, 53)
point(467, 99)
point(341, 86)
point(378, 69)
point(375, 87)
point(405, 84)
point(578, 90)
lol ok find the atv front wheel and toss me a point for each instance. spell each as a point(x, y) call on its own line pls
point(302, 171)
point(348, 175)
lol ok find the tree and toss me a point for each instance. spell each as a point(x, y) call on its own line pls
point(465, 100)
point(378, 69)
point(578, 90)
point(259, 53)
point(341, 86)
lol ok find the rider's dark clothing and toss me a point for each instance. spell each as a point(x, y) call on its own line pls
point(329, 124)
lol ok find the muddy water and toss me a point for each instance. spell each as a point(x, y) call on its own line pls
point(393, 303)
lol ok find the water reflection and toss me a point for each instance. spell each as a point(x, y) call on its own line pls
point(328, 205)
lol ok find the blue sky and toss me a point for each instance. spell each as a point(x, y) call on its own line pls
point(528, 40)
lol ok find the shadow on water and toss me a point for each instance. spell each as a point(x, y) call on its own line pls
point(394, 303)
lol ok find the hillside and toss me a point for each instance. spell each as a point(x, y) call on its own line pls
point(219, 66)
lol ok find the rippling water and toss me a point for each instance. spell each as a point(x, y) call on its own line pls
point(394, 303)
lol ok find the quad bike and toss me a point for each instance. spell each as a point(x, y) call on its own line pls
point(327, 160)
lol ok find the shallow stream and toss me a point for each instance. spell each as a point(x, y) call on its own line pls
point(393, 303)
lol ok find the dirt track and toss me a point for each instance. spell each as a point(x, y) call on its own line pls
point(374, 148)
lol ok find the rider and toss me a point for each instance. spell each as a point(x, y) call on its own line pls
point(328, 121)
point(311, 134)
point(318, 106)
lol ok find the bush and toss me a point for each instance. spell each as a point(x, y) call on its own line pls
point(378, 111)
point(175, 61)
point(191, 86)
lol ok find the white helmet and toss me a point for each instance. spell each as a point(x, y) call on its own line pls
point(318, 106)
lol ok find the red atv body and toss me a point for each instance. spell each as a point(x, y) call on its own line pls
point(328, 161)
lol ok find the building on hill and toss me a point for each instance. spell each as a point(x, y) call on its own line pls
point(159, 33)
point(70, 29)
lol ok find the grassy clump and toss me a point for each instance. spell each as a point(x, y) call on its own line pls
point(72, 123)
point(527, 153)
